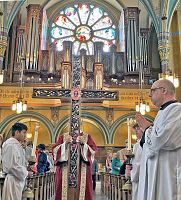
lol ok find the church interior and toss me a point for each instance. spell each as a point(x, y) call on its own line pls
point(123, 46)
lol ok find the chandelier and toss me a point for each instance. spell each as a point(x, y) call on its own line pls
point(142, 106)
point(19, 105)
point(164, 50)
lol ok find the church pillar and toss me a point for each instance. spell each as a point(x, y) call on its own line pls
point(175, 49)
point(3, 38)
point(83, 70)
point(163, 47)
point(177, 56)
point(3, 44)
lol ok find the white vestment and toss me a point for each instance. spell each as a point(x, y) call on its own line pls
point(160, 170)
point(14, 165)
point(136, 161)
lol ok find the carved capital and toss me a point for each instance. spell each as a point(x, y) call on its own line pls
point(164, 52)
point(2, 49)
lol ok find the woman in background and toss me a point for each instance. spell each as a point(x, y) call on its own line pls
point(116, 163)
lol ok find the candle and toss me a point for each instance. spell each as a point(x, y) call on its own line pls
point(129, 134)
point(35, 139)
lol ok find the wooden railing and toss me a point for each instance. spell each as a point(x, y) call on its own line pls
point(111, 187)
point(42, 186)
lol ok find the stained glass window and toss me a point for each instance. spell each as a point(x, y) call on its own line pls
point(83, 24)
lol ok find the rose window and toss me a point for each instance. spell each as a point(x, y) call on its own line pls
point(83, 24)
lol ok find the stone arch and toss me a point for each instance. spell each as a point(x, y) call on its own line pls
point(102, 125)
point(35, 115)
point(121, 120)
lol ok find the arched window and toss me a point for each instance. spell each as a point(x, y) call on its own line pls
point(83, 24)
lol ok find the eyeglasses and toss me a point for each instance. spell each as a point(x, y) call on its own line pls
point(154, 89)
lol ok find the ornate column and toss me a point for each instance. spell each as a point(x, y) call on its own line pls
point(163, 47)
point(3, 44)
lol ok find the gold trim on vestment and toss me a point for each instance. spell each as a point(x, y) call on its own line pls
point(64, 181)
point(83, 175)
point(82, 182)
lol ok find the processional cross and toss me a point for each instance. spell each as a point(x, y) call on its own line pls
point(76, 94)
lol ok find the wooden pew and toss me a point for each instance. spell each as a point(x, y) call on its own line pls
point(43, 186)
point(111, 186)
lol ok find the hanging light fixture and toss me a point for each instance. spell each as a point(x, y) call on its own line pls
point(19, 105)
point(164, 50)
point(142, 106)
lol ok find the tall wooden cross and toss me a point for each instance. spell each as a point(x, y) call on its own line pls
point(76, 94)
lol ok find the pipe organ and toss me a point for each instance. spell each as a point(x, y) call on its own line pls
point(33, 32)
point(20, 49)
point(144, 54)
point(51, 65)
point(132, 39)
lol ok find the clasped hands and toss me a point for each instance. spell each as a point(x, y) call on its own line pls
point(142, 122)
point(80, 139)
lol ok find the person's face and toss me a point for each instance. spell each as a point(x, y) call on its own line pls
point(21, 135)
point(156, 94)
point(138, 132)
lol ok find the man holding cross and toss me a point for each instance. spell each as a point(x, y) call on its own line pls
point(60, 152)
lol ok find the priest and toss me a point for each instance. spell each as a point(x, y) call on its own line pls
point(60, 153)
point(160, 171)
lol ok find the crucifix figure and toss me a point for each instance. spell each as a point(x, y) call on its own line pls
point(70, 189)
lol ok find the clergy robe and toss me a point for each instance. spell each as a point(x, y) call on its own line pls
point(135, 161)
point(60, 153)
point(160, 170)
point(14, 165)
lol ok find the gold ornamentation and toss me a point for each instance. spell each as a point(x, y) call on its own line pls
point(82, 182)
point(2, 49)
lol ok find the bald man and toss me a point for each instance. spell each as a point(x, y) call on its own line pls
point(160, 170)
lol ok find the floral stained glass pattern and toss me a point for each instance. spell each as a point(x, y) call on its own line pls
point(83, 24)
